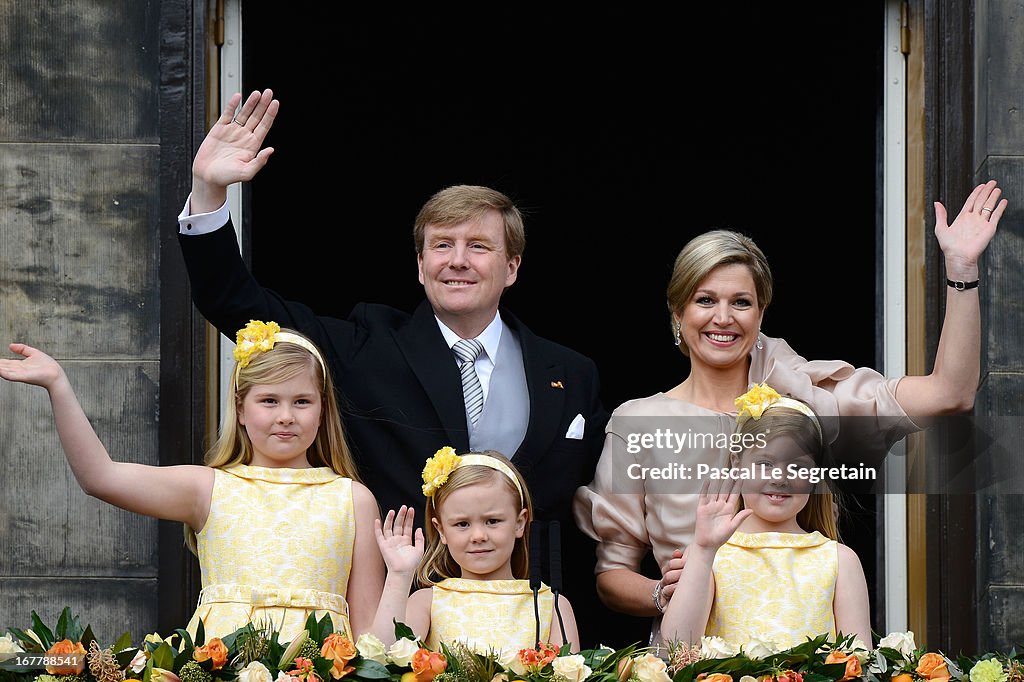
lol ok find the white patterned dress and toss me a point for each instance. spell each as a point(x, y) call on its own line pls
point(774, 586)
point(489, 615)
point(277, 545)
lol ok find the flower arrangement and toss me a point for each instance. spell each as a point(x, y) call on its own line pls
point(254, 653)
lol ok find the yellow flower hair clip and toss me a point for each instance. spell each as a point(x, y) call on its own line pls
point(255, 337)
point(437, 469)
point(260, 337)
point(755, 401)
point(445, 461)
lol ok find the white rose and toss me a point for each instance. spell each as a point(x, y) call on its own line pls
point(902, 642)
point(650, 668)
point(571, 668)
point(716, 647)
point(9, 646)
point(859, 650)
point(371, 648)
point(401, 651)
point(748, 678)
point(759, 647)
point(255, 672)
point(509, 660)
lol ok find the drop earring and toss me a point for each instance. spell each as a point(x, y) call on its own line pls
point(677, 330)
point(759, 345)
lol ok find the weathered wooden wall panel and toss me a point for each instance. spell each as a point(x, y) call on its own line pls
point(79, 244)
point(999, 154)
point(80, 224)
point(1002, 305)
point(51, 523)
point(1002, 619)
point(111, 606)
point(76, 71)
point(1000, 96)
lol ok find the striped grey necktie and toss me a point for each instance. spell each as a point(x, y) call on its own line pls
point(466, 352)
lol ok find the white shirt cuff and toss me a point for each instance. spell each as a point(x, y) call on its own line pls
point(202, 223)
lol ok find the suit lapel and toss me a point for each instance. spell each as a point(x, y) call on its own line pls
point(433, 364)
point(547, 401)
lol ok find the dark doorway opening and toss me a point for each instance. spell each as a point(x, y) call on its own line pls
point(622, 133)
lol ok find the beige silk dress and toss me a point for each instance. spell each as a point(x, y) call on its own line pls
point(276, 546)
point(630, 516)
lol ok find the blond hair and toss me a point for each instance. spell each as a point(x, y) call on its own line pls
point(704, 253)
point(820, 512)
point(438, 563)
point(462, 203)
point(279, 364)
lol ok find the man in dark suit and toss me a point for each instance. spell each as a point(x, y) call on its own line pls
point(400, 381)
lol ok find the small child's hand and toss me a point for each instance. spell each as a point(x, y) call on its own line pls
point(401, 548)
point(37, 368)
point(717, 515)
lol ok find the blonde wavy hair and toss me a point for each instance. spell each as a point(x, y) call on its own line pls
point(824, 506)
point(279, 364)
point(438, 563)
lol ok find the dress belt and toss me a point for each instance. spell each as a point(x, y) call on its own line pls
point(266, 596)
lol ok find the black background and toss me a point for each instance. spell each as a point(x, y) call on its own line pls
point(621, 133)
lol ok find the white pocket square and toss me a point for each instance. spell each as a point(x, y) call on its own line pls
point(576, 428)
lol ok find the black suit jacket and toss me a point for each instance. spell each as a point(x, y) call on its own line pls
point(399, 387)
point(400, 394)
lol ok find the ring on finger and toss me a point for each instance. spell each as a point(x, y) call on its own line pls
point(986, 208)
point(235, 120)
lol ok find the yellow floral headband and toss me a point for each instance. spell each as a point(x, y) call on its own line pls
point(445, 461)
point(259, 337)
point(755, 402)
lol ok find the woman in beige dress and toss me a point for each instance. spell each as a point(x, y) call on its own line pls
point(643, 496)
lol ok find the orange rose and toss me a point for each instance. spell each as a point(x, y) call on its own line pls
point(338, 649)
point(428, 664)
point(902, 677)
point(214, 650)
point(932, 667)
point(72, 658)
point(852, 663)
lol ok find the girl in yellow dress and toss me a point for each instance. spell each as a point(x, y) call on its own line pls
point(475, 568)
point(773, 571)
point(278, 521)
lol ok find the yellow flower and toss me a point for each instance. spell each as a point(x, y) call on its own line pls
point(255, 337)
point(437, 468)
point(990, 670)
point(755, 401)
